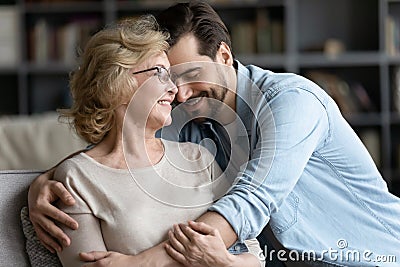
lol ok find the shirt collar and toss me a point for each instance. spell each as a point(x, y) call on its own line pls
point(244, 97)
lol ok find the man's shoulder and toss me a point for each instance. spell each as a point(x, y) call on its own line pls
point(260, 82)
point(266, 79)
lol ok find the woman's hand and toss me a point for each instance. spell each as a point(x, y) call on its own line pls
point(198, 244)
point(42, 192)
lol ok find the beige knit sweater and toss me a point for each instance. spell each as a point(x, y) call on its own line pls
point(129, 211)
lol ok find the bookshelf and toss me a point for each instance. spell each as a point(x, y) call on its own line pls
point(354, 42)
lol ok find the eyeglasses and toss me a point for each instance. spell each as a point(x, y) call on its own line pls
point(162, 73)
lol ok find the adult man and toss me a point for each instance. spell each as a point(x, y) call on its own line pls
point(318, 187)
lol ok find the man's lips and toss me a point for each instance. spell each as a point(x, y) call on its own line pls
point(193, 101)
point(194, 104)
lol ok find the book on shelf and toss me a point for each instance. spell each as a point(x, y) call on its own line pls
point(277, 36)
point(392, 35)
point(9, 36)
point(60, 43)
point(68, 35)
point(244, 37)
point(51, 1)
point(262, 35)
point(351, 97)
point(40, 38)
point(396, 88)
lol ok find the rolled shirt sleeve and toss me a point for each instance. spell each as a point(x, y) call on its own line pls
point(286, 131)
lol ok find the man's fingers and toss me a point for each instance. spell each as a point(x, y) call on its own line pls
point(61, 217)
point(180, 235)
point(202, 228)
point(188, 232)
point(46, 239)
point(178, 246)
point(175, 255)
point(49, 228)
point(93, 255)
point(60, 190)
point(42, 192)
point(52, 250)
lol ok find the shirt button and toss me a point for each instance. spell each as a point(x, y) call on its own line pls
point(237, 247)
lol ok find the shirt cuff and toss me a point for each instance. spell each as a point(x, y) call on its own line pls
point(231, 208)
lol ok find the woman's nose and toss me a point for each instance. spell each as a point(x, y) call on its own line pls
point(172, 88)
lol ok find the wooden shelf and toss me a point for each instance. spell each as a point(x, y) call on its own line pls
point(63, 7)
point(270, 60)
point(364, 119)
point(343, 59)
point(48, 68)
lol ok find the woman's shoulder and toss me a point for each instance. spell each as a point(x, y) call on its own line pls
point(69, 166)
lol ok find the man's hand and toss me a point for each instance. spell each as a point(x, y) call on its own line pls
point(110, 258)
point(198, 244)
point(107, 258)
point(42, 192)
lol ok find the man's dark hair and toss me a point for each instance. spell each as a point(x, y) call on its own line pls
point(198, 18)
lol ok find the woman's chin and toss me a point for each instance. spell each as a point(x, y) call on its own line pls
point(168, 121)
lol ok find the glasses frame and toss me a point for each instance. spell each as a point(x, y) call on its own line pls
point(158, 73)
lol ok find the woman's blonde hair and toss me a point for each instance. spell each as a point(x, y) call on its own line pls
point(104, 80)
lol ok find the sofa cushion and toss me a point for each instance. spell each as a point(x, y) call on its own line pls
point(13, 196)
point(36, 141)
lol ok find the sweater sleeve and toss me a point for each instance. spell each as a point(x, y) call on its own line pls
point(88, 237)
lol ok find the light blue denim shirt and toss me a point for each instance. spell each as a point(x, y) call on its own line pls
point(308, 174)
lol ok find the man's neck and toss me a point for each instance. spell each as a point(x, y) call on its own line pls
point(227, 113)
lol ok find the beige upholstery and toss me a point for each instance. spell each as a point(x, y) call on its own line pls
point(13, 196)
point(35, 142)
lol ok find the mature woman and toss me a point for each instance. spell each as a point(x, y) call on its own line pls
point(111, 181)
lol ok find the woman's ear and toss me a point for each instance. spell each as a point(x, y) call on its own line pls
point(224, 54)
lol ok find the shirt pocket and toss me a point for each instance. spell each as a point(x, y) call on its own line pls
point(286, 217)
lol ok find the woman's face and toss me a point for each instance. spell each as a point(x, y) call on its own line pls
point(155, 93)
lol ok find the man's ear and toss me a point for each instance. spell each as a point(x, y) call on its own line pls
point(224, 54)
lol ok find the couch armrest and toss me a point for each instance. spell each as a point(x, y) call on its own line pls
point(13, 196)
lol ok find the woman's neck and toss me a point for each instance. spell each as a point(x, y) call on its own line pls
point(137, 146)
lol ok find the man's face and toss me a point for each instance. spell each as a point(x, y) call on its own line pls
point(201, 81)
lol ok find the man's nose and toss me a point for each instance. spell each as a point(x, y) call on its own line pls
point(184, 93)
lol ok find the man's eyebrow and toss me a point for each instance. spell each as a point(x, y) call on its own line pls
point(187, 71)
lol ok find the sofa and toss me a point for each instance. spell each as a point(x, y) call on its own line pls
point(13, 196)
point(36, 141)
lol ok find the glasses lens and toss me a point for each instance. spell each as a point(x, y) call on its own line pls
point(163, 75)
